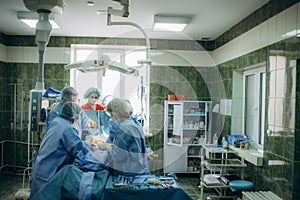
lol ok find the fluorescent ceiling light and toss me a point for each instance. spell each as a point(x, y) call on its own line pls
point(90, 3)
point(170, 23)
point(30, 19)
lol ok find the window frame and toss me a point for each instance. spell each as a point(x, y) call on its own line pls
point(259, 73)
point(123, 53)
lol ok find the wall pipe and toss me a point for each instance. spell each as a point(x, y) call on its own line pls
point(2, 152)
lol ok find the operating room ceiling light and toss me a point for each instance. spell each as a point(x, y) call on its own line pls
point(170, 22)
point(90, 3)
point(30, 19)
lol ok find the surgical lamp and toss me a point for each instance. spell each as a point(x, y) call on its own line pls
point(100, 65)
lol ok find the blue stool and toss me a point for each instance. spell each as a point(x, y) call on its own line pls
point(240, 185)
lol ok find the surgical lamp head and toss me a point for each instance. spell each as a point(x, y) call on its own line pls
point(100, 65)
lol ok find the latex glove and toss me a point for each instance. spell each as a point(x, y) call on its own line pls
point(92, 124)
point(105, 146)
point(96, 142)
point(89, 138)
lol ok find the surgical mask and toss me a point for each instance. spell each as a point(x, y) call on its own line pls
point(77, 118)
point(92, 101)
point(76, 122)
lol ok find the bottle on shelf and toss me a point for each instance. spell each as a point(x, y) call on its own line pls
point(224, 143)
point(215, 140)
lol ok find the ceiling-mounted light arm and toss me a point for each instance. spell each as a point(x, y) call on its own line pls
point(42, 36)
point(122, 13)
point(43, 30)
point(110, 23)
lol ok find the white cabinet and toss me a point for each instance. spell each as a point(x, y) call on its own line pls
point(186, 128)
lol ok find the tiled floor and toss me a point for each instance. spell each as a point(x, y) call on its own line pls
point(189, 185)
point(11, 183)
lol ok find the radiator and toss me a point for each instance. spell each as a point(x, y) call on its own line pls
point(260, 195)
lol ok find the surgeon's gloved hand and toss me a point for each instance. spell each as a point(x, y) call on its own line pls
point(105, 146)
point(89, 138)
point(92, 124)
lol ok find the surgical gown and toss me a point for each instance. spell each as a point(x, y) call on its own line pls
point(59, 147)
point(81, 124)
point(128, 154)
point(114, 129)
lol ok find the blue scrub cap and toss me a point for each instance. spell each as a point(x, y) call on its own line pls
point(70, 110)
point(68, 93)
point(90, 91)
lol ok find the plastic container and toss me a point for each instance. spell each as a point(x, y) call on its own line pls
point(176, 97)
point(224, 143)
point(215, 140)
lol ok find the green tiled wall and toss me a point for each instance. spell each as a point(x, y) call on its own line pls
point(21, 78)
point(267, 11)
point(279, 178)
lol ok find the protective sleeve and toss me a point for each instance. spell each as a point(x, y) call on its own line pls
point(54, 112)
point(120, 150)
point(84, 121)
point(72, 141)
point(113, 130)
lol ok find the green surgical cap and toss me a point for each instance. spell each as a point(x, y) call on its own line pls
point(90, 91)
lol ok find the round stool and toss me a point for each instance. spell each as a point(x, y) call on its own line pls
point(240, 185)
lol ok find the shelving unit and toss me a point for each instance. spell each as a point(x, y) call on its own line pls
point(185, 131)
point(218, 163)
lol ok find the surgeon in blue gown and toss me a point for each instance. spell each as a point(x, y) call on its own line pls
point(112, 126)
point(128, 155)
point(59, 147)
point(69, 94)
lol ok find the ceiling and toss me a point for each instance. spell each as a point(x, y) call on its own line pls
point(211, 18)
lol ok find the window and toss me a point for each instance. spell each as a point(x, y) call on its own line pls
point(128, 86)
point(254, 105)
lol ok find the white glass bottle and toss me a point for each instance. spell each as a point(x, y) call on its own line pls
point(224, 143)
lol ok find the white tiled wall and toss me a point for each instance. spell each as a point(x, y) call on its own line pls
point(25, 54)
point(267, 33)
point(2, 52)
